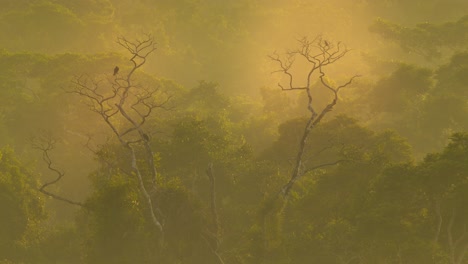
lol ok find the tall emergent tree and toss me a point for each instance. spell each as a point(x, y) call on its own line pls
point(125, 107)
point(318, 54)
point(315, 56)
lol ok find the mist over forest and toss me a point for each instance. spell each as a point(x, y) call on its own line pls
point(233, 132)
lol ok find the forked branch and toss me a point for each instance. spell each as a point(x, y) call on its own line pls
point(319, 54)
point(125, 108)
point(45, 143)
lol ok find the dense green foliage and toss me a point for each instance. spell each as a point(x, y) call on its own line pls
point(385, 174)
point(22, 209)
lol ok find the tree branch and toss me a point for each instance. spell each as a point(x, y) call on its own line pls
point(214, 215)
point(119, 101)
point(439, 220)
point(214, 211)
point(45, 144)
point(318, 53)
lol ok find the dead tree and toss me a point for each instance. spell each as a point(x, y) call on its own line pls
point(45, 143)
point(318, 54)
point(125, 108)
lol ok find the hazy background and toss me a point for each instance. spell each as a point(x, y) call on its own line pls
point(226, 42)
point(411, 56)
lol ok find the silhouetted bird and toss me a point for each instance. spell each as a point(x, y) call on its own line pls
point(145, 137)
point(326, 43)
point(116, 70)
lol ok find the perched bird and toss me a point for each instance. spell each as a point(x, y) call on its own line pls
point(116, 70)
point(326, 43)
point(145, 137)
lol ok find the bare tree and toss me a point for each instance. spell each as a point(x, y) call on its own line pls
point(125, 108)
point(318, 54)
point(45, 143)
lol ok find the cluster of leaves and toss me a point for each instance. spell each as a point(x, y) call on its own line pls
point(428, 40)
point(55, 26)
point(22, 210)
point(423, 105)
point(376, 205)
point(373, 204)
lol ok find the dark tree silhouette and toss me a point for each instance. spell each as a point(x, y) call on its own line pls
point(120, 102)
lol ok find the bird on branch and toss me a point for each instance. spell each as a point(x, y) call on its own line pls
point(145, 137)
point(116, 70)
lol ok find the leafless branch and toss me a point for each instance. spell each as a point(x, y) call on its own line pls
point(145, 193)
point(214, 216)
point(45, 143)
point(449, 236)
point(459, 246)
point(214, 211)
point(286, 188)
point(215, 252)
point(140, 50)
point(326, 165)
point(319, 53)
point(125, 108)
point(439, 220)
